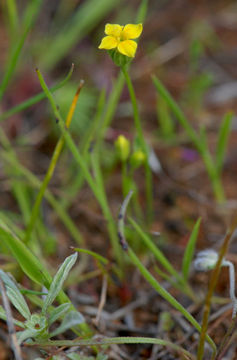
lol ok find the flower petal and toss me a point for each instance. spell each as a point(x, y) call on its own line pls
point(132, 31)
point(108, 42)
point(113, 30)
point(127, 47)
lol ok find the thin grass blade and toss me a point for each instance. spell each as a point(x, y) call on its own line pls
point(31, 266)
point(30, 15)
point(160, 257)
point(222, 140)
point(189, 252)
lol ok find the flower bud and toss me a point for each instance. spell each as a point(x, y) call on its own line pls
point(137, 158)
point(122, 146)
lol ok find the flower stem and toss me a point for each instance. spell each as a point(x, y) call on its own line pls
point(138, 126)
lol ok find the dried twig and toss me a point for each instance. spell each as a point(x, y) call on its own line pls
point(102, 299)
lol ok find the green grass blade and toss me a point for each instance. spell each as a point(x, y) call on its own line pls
point(35, 99)
point(13, 19)
point(167, 296)
point(166, 122)
point(31, 13)
point(98, 257)
point(160, 257)
point(222, 140)
point(19, 190)
point(176, 110)
point(189, 252)
point(118, 340)
point(29, 263)
point(142, 11)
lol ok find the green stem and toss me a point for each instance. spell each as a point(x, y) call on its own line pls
point(125, 180)
point(162, 259)
point(138, 126)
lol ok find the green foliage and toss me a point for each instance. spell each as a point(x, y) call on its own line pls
point(37, 326)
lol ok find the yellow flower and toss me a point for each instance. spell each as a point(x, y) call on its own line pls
point(119, 37)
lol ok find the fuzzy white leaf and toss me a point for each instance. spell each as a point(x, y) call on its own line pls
point(15, 295)
point(58, 281)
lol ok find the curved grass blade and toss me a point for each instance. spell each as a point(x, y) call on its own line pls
point(189, 252)
point(154, 249)
point(98, 257)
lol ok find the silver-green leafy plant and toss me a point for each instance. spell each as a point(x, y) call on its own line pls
point(37, 326)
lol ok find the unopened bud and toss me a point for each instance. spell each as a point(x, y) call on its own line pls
point(122, 146)
point(137, 158)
